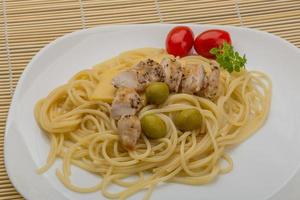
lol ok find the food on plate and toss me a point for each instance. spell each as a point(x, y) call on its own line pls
point(150, 114)
point(180, 41)
point(126, 102)
point(228, 58)
point(188, 120)
point(129, 129)
point(157, 93)
point(213, 38)
point(153, 126)
point(173, 72)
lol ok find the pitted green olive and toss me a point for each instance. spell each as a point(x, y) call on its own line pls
point(157, 93)
point(153, 127)
point(187, 120)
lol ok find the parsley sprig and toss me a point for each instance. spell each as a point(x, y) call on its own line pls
point(228, 58)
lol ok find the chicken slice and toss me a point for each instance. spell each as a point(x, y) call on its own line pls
point(126, 102)
point(126, 79)
point(140, 75)
point(172, 73)
point(148, 71)
point(192, 79)
point(211, 82)
point(129, 128)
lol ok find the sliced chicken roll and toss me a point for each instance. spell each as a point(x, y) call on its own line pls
point(192, 79)
point(140, 75)
point(129, 129)
point(211, 82)
point(126, 102)
point(172, 73)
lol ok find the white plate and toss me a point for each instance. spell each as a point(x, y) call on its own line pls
point(266, 166)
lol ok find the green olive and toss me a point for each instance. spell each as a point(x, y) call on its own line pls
point(157, 93)
point(187, 120)
point(153, 126)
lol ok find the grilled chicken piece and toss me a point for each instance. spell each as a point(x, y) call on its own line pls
point(126, 102)
point(126, 79)
point(172, 73)
point(192, 79)
point(211, 82)
point(129, 128)
point(140, 76)
point(148, 71)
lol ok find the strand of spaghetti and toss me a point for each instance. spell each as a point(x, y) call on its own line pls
point(133, 189)
point(229, 164)
point(114, 162)
point(67, 157)
point(51, 155)
point(149, 192)
point(73, 187)
point(197, 180)
point(147, 151)
point(60, 144)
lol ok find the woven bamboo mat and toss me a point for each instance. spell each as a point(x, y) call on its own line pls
point(28, 25)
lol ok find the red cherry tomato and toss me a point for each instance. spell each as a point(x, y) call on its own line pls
point(209, 39)
point(180, 41)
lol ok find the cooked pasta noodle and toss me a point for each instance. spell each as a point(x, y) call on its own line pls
point(82, 132)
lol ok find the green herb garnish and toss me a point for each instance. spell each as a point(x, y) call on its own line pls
point(228, 58)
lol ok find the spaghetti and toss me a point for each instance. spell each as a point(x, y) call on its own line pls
point(82, 132)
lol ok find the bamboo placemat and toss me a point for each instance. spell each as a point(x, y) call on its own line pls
point(28, 25)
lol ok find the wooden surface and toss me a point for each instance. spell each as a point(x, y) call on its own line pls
point(28, 25)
